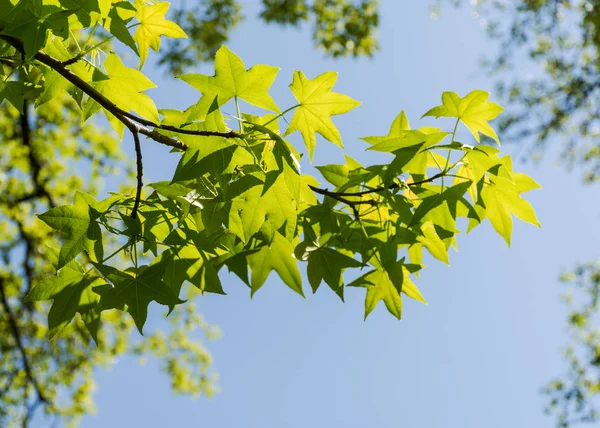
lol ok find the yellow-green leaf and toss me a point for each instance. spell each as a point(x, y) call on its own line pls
point(124, 86)
point(317, 104)
point(501, 201)
point(474, 111)
point(433, 242)
point(231, 80)
point(153, 24)
point(278, 257)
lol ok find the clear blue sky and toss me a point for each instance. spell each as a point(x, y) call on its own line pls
point(476, 357)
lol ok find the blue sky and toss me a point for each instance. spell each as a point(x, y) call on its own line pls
point(475, 357)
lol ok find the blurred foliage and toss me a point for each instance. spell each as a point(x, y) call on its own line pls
point(575, 396)
point(44, 154)
point(548, 73)
point(548, 70)
point(340, 27)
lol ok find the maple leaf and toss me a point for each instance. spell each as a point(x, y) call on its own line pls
point(502, 200)
point(71, 290)
point(191, 264)
point(433, 242)
point(387, 284)
point(78, 228)
point(231, 80)
point(327, 264)
point(278, 257)
point(136, 290)
point(474, 111)
point(124, 86)
point(254, 208)
point(397, 130)
point(153, 24)
point(317, 103)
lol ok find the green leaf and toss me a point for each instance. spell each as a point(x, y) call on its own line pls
point(397, 130)
point(474, 111)
point(317, 104)
point(26, 26)
point(54, 86)
point(118, 28)
point(387, 284)
point(83, 9)
point(193, 265)
point(14, 93)
point(72, 292)
point(382, 288)
point(399, 273)
point(328, 264)
point(408, 139)
point(278, 257)
point(336, 174)
point(502, 200)
point(124, 86)
point(78, 228)
point(433, 242)
point(153, 24)
point(135, 290)
point(482, 159)
point(231, 80)
point(250, 209)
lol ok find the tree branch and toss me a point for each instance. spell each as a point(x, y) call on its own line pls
point(133, 123)
point(128, 119)
point(341, 196)
point(17, 336)
point(140, 172)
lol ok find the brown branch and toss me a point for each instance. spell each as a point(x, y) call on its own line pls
point(17, 336)
point(72, 61)
point(133, 122)
point(128, 119)
point(88, 89)
point(125, 116)
point(140, 172)
point(341, 196)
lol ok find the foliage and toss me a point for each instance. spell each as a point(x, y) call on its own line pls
point(552, 98)
point(237, 198)
point(574, 395)
point(340, 27)
point(40, 158)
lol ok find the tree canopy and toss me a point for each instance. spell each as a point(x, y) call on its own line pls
point(237, 199)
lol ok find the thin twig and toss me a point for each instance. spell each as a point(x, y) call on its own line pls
point(140, 171)
point(342, 195)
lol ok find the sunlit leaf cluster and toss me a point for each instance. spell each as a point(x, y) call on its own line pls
point(238, 199)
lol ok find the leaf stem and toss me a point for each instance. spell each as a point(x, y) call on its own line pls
point(239, 116)
point(282, 114)
point(109, 257)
